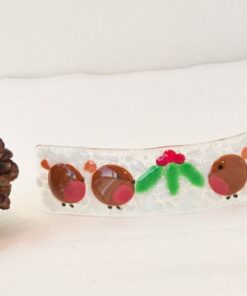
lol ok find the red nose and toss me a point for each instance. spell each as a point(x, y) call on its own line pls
point(74, 191)
point(218, 185)
point(122, 194)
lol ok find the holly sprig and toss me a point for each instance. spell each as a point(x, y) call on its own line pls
point(170, 166)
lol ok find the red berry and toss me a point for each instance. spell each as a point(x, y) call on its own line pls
point(170, 153)
point(160, 161)
point(167, 157)
point(180, 158)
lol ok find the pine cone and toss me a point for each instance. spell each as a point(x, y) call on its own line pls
point(8, 172)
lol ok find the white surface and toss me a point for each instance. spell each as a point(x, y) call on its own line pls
point(193, 254)
point(39, 38)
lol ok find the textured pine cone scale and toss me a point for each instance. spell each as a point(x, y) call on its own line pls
point(8, 172)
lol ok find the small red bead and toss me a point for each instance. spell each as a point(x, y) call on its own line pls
point(167, 157)
point(180, 158)
point(170, 153)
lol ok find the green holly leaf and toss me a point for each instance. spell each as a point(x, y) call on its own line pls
point(149, 178)
point(172, 178)
point(192, 174)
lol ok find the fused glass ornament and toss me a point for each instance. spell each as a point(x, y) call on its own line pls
point(157, 181)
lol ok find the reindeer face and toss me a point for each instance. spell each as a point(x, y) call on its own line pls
point(228, 174)
point(66, 183)
point(113, 185)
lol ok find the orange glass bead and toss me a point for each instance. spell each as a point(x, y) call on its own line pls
point(90, 166)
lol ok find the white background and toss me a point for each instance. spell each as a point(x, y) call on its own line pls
point(200, 253)
point(39, 38)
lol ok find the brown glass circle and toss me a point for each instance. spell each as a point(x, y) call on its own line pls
point(232, 169)
point(59, 176)
point(106, 179)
